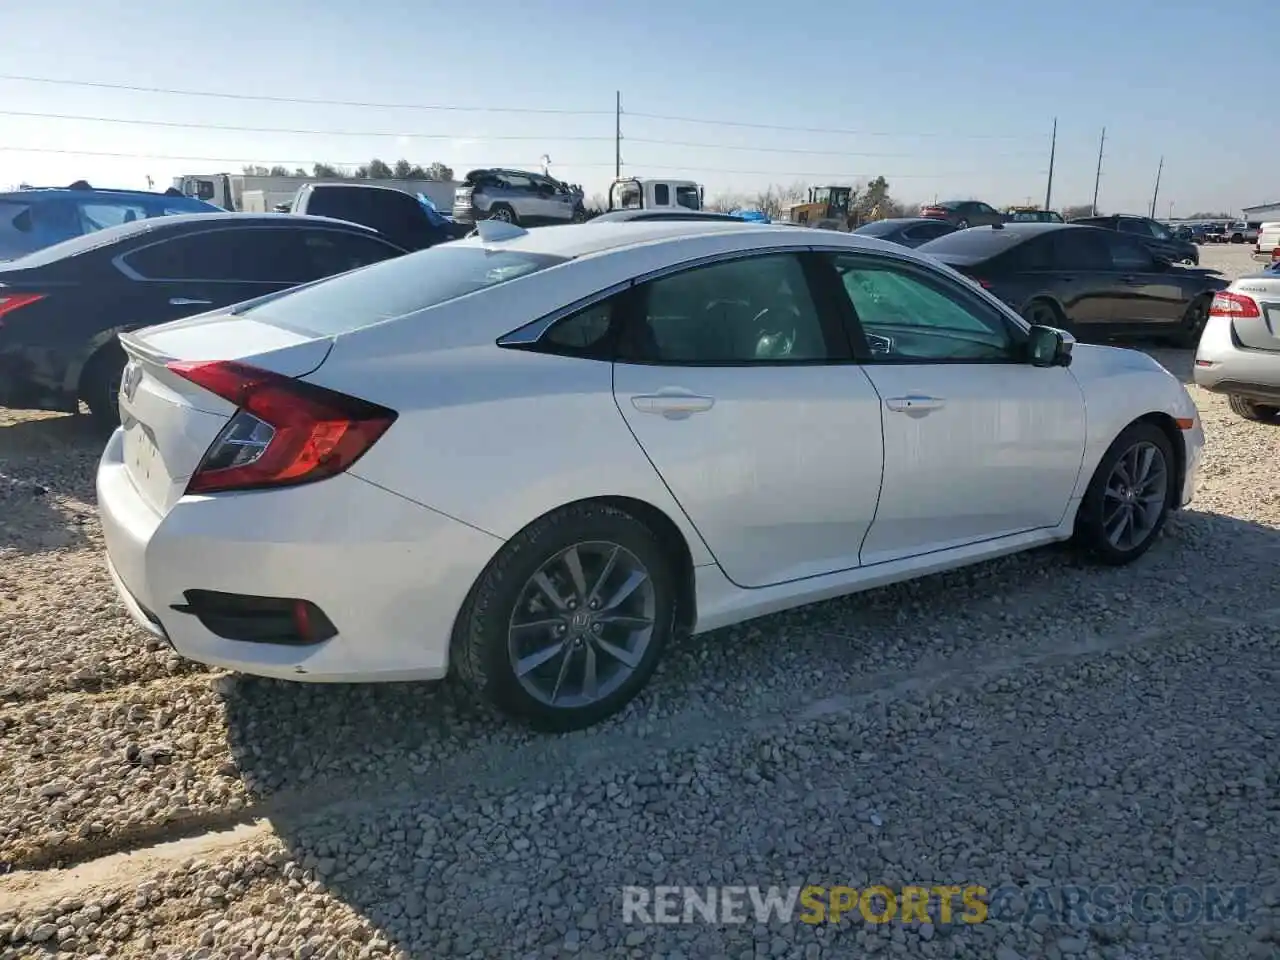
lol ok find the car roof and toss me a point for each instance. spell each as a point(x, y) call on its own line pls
point(47, 192)
point(89, 242)
point(904, 221)
point(352, 185)
point(668, 215)
point(583, 239)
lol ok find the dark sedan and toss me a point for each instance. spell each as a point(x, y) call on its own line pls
point(62, 307)
point(1088, 280)
point(906, 231)
point(963, 213)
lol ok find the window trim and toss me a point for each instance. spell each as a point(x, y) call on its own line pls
point(943, 285)
point(120, 260)
point(826, 302)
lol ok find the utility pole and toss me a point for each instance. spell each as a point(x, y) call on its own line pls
point(1155, 193)
point(617, 135)
point(1053, 148)
point(1097, 177)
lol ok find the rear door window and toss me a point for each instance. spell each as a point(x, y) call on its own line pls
point(238, 255)
point(397, 287)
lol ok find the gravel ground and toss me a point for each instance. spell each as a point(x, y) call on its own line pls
point(1031, 722)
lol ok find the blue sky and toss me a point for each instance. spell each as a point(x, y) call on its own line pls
point(945, 99)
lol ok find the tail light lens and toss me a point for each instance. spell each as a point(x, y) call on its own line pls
point(1275, 254)
point(1234, 305)
point(284, 433)
point(12, 301)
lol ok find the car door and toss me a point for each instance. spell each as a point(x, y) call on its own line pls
point(194, 272)
point(984, 213)
point(1145, 291)
point(736, 379)
point(978, 443)
point(1077, 272)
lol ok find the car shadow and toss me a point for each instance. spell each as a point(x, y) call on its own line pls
point(47, 493)
point(415, 806)
point(1178, 361)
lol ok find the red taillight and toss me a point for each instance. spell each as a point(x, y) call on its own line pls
point(933, 212)
point(1234, 305)
point(285, 432)
point(984, 284)
point(12, 301)
point(1275, 254)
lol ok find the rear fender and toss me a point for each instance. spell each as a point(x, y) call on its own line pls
point(75, 368)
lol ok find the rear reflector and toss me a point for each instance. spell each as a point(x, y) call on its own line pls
point(285, 432)
point(1234, 305)
point(1185, 423)
point(12, 301)
point(249, 619)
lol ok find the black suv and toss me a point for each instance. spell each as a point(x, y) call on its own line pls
point(1158, 238)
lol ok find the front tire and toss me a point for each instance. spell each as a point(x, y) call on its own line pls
point(567, 624)
point(1129, 497)
point(100, 386)
point(962, 224)
point(1252, 410)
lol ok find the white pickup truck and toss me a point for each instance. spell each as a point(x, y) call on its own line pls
point(635, 193)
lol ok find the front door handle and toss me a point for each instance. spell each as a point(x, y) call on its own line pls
point(189, 302)
point(673, 406)
point(915, 404)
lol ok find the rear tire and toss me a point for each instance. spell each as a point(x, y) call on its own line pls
point(1192, 323)
point(500, 211)
point(1129, 497)
point(510, 618)
point(962, 224)
point(100, 386)
point(1252, 410)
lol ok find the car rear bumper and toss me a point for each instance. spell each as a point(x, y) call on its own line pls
point(1221, 366)
point(390, 574)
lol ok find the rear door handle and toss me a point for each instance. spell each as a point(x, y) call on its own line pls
point(915, 404)
point(673, 406)
point(188, 302)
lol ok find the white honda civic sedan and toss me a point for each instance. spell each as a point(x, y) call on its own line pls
point(530, 456)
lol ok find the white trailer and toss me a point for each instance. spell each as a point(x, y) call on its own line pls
point(227, 190)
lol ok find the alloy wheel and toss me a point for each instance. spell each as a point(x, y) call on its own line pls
point(1135, 496)
point(582, 624)
point(503, 214)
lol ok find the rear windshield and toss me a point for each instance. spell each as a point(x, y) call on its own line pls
point(878, 228)
point(974, 244)
point(397, 287)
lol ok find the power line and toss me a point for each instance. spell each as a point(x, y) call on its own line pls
point(828, 130)
point(257, 161)
point(269, 98)
point(261, 161)
point(235, 128)
point(297, 130)
point(300, 100)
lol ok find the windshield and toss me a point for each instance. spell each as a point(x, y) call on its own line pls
point(397, 287)
point(688, 197)
point(625, 196)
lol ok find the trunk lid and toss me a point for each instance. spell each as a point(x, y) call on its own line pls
point(168, 421)
point(1262, 332)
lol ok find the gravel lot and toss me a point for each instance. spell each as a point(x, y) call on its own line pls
point(1031, 722)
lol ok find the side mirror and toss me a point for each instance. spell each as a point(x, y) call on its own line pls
point(1049, 346)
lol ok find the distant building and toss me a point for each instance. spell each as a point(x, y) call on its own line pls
point(1263, 211)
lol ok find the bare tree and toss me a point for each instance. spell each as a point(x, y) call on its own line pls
point(725, 203)
point(325, 170)
point(1077, 210)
